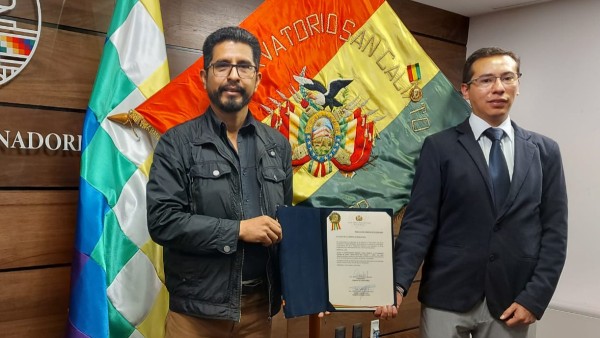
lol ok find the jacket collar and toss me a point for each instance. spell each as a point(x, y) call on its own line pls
point(210, 127)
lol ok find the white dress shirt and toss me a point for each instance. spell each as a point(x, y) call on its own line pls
point(507, 143)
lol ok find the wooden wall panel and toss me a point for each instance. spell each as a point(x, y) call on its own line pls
point(433, 22)
point(60, 74)
point(38, 167)
point(37, 228)
point(180, 59)
point(91, 15)
point(34, 303)
point(449, 57)
point(188, 22)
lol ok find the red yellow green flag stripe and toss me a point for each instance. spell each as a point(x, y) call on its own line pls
point(414, 72)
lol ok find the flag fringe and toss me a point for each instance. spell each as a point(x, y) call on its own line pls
point(133, 117)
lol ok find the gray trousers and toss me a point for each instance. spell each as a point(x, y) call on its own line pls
point(476, 323)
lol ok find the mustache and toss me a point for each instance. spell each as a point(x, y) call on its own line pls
point(232, 87)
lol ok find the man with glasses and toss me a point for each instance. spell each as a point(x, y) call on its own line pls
point(214, 186)
point(487, 216)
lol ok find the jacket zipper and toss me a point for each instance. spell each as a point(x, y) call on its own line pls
point(230, 160)
point(263, 205)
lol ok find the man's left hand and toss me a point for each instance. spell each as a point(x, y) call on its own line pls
point(516, 314)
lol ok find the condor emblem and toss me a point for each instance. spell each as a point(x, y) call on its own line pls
point(326, 126)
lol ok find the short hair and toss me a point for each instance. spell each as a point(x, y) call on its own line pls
point(484, 53)
point(235, 34)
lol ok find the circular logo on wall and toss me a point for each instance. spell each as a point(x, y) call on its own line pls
point(18, 39)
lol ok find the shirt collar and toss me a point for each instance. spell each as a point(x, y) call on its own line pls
point(249, 124)
point(478, 125)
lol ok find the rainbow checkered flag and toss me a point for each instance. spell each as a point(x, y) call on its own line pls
point(117, 282)
point(348, 86)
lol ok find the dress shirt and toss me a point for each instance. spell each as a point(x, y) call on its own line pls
point(507, 144)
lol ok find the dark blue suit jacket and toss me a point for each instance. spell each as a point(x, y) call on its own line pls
point(470, 251)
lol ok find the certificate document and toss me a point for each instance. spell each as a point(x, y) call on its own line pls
point(335, 259)
point(359, 259)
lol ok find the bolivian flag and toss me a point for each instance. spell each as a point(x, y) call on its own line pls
point(350, 88)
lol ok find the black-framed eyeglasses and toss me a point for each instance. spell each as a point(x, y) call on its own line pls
point(485, 81)
point(223, 69)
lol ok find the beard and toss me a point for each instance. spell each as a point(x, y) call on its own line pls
point(229, 104)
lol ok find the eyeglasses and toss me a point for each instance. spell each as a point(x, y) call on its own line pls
point(485, 81)
point(223, 69)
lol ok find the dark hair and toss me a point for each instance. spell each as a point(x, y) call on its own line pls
point(235, 34)
point(484, 53)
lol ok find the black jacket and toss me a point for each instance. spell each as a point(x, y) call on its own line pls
point(194, 211)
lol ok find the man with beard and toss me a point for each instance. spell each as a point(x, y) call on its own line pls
point(214, 187)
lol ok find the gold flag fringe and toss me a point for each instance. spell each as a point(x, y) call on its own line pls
point(134, 118)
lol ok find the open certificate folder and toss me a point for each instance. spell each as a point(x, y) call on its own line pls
point(335, 259)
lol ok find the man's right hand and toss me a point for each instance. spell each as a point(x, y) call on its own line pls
point(261, 229)
point(389, 311)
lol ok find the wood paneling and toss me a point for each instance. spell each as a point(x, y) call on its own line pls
point(37, 227)
point(61, 72)
point(34, 303)
point(449, 57)
point(180, 59)
point(188, 22)
point(40, 167)
point(433, 22)
point(91, 15)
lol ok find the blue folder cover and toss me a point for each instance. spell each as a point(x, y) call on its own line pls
point(302, 261)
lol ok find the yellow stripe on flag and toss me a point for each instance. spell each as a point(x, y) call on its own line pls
point(153, 8)
point(156, 80)
point(157, 314)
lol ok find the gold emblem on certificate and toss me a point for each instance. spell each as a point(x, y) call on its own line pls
point(335, 219)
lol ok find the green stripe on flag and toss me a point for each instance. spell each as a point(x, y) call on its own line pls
point(118, 327)
point(102, 150)
point(120, 15)
point(115, 249)
point(112, 86)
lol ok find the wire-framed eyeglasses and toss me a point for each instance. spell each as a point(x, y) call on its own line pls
point(485, 81)
point(223, 69)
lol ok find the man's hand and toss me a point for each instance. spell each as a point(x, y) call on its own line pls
point(389, 311)
point(261, 229)
point(516, 314)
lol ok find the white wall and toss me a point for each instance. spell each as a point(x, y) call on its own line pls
point(559, 45)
